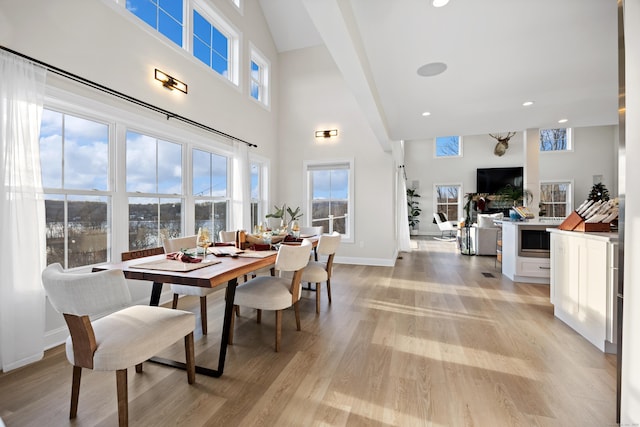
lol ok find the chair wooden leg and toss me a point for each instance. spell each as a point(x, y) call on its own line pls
point(231, 326)
point(123, 402)
point(296, 310)
point(329, 289)
point(174, 302)
point(278, 328)
point(203, 314)
point(75, 391)
point(318, 297)
point(237, 310)
point(190, 358)
point(139, 368)
point(259, 316)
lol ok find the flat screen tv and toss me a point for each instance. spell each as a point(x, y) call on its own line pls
point(492, 180)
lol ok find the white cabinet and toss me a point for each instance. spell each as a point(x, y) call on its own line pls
point(584, 284)
point(516, 266)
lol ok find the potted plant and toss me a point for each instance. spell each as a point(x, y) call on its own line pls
point(515, 195)
point(413, 209)
point(281, 213)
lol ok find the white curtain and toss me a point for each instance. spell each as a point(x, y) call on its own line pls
point(241, 205)
point(402, 213)
point(22, 218)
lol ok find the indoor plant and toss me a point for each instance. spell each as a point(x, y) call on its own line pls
point(515, 195)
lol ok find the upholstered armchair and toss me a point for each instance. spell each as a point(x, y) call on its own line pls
point(487, 234)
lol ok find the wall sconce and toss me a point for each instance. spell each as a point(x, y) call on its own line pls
point(169, 82)
point(326, 133)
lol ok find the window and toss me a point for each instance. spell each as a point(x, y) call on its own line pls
point(448, 146)
point(210, 184)
point(448, 200)
point(74, 156)
point(555, 199)
point(555, 139)
point(154, 186)
point(163, 15)
point(330, 197)
point(259, 77)
point(256, 194)
point(215, 43)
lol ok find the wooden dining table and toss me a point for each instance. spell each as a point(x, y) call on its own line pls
point(220, 271)
point(224, 272)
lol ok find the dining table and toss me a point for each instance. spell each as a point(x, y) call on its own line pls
point(211, 272)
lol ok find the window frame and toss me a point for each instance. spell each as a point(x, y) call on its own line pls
point(569, 195)
point(308, 167)
point(216, 19)
point(435, 147)
point(263, 82)
point(458, 203)
point(261, 202)
point(212, 198)
point(52, 103)
point(570, 142)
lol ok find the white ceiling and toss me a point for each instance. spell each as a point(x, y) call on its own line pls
point(561, 54)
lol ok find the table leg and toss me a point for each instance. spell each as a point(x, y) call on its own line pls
point(224, 340)
point(156, 290)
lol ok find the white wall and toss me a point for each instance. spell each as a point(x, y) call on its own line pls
point(313, 96)
point(594, 154)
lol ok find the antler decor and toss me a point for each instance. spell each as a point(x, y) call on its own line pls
point(503, 143)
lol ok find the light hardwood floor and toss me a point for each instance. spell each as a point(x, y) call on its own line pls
point(432, 341)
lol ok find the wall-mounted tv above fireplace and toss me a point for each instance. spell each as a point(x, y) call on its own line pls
point(492, 180)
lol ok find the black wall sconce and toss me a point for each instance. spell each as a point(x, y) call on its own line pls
point(169, 82)
point(326, 133)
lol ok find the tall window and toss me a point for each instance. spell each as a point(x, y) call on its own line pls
point(259, 77)
point(555, 139)
point(74, 156)
point(448, 200)
point(257, 197)
point(555, 199)
point(162, 15)
point(210, 184)
point(154, 186)
point(330, 187)
point(448, 146)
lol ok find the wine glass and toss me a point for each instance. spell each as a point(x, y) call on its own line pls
point(203, 241)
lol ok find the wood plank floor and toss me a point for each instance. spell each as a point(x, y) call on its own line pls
point(434, 341)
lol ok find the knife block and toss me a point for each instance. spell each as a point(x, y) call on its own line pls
point(575, 222)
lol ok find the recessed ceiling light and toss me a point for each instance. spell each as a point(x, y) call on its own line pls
point(439, 3)
point(563, 120)
point(527, 103)
point(432, 69)
point(426, 113)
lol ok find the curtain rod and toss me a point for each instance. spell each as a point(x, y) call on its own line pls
point(125, 97)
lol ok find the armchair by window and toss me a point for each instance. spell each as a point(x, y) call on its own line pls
point(445, 225)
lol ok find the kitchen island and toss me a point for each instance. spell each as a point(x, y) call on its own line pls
point(584, 284)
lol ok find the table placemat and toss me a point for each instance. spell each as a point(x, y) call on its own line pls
point(175, 265)
point(256, 254)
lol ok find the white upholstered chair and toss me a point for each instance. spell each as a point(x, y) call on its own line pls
point(444, 225)
point(311, 231)
point(126, 337)
point(273, 292)
point(320, 271)
point(227, 236)
point(487, 234)
point(189, 242)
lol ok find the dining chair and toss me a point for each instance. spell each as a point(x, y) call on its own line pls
point(320, 271)
point(227, 236)
point(126, 337)
point(311, 231)
point(275, 292)
point(174, 245)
